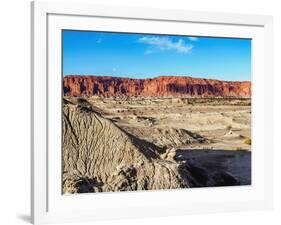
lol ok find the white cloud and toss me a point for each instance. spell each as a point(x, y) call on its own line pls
point(165, 43)
point(193, 38)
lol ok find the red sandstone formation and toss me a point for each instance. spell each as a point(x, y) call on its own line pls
point(162, 86)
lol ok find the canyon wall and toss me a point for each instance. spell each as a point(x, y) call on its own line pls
point(162, 86)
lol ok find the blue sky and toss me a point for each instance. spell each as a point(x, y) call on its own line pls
point(146, 56)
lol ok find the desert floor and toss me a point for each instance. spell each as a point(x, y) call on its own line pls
point(218, 124)
point(213, 136)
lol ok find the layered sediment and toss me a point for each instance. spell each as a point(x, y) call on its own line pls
point(162, 86)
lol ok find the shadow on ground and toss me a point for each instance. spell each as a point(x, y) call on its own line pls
point(210, 168)
point(24, 218)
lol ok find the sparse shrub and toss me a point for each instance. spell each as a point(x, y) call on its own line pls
point(228, 127)
point(248, 141)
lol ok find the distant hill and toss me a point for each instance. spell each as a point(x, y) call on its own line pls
point(162, 86)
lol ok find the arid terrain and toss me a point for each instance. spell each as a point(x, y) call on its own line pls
point(124, 137)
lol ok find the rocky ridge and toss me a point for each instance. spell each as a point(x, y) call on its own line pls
point(162, 86)
point(98, 156)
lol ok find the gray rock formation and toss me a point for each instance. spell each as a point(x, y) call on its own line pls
point(98, 156)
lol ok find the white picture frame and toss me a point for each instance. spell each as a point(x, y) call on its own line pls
point(47, 205)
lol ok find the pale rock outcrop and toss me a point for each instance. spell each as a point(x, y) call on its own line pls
point(99, 156)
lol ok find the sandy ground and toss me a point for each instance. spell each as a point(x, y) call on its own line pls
point(223, 124)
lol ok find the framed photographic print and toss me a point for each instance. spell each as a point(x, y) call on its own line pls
point(146, 112)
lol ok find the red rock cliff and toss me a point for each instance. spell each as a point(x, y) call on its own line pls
point(177, 86)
